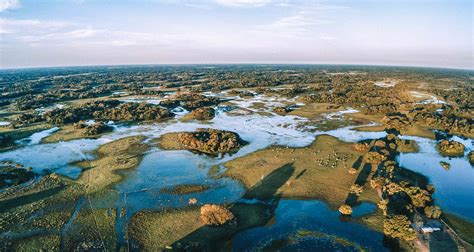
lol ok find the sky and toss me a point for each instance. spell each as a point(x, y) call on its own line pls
point(40, 33)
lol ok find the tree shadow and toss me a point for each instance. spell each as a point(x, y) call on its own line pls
point(28, 199)
point(248, 215)
point(360, 180)
point(269, 185)
point(300, 174)
point(356, 165)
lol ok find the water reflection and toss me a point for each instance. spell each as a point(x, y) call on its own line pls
point(308, 224)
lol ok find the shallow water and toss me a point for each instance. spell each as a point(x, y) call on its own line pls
point(166, 169)
point(339, 114)
point(35, 138)
point(454, 187)
point(321, 225)
point(160, 169)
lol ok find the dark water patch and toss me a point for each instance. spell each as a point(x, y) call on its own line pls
point(320, 225)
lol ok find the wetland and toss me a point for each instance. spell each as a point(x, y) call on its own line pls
point(236, 157)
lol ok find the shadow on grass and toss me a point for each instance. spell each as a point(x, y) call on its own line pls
point(269, 185)
point(360, 180)
point(28, 199)
point(356, 165)
point(248, 215)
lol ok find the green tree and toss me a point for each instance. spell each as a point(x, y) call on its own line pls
point(399, 227)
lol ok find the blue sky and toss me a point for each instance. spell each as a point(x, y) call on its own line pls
point(96, 32)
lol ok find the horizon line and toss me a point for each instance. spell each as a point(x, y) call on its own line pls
point(233, 63)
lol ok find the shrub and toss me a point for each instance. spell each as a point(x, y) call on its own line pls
point(380, 143)
point(361, 147)
point(383, 206)
point(445, 165)
point(418, 196)
point(352, 171)
point(97, 128)
point(374, 157)
point(433, 212)
point(398, 226)
point(356, 189)
point(451, 148)
point(345, 209)
point(393, 188)
point(397, 121)
point(281, 110)
point(211, 141)
point(377, 182)
point(204, 113)
point(215, 215)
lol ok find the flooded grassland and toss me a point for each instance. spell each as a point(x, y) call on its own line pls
point(289, 169)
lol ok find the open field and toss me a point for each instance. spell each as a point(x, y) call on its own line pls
point(309, 179)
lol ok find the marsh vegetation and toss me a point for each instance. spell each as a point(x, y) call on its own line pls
point(196, 158)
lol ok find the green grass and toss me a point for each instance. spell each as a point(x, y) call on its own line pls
point(464, 228)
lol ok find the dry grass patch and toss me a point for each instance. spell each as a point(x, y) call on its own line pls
point(314, 110)
point(308, 180)
point(68, 133)
point(182, 229)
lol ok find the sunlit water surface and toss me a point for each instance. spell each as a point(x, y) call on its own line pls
point(141, 188)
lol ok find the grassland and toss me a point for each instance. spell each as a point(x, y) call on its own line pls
point(169, 141)
point(314, 110)
point(68, 133)
point(463, 228)
point(183, 230)
point(125, 153)
point(309, 179)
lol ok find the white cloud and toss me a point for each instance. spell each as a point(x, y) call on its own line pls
point(21, 24)
point(62, 34)
point(243, 3)
point(9, 4)
point(305, 23)
point(327, 37)
point(301, 20)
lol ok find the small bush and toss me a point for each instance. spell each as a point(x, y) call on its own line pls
point(345, 209)
point(432, 212)
point(399, 226)
point(215, 215)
